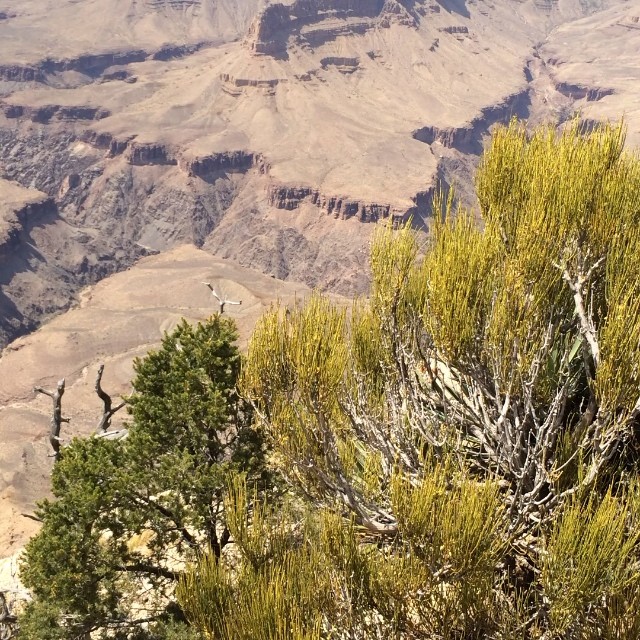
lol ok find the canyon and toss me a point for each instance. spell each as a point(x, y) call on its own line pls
point(147, 145)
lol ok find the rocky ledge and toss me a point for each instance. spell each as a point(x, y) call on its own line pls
point(343, 207)
point(145, 153)
point(21, 73)
point(468, 138)
point(316, 21)
point(343, 65)
point(46, 113)
point(581, 92)
point(210, 166)
point(19, 207)
point(94, 66)
point(104, 140)
point(205, 166)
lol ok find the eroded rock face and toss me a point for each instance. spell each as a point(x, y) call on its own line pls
point(583, 92)
point(210, 166)
point(24, 213)
point(46, 113)
point(21, 73)
point(19, 209)
point(468, 138)
point(277, 22)
point(227, 124)
point(340, 207)
point(451, 137)
point(85, 225)
point(138, 153)
point(105, 140)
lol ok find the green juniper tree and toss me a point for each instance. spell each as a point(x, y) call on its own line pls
point(465, 442)
point(128, 513)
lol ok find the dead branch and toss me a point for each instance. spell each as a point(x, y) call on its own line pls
point(56, 417)
point(31, 516)
point(222, 299)
point(578, 283)
point(109, 409)
point(5, 614)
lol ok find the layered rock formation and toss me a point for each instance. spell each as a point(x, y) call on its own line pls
point(314, 22)
point(262, 134)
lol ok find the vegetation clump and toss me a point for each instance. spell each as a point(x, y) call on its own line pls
point(461, 449)
point(129, 513)
point(470, 433)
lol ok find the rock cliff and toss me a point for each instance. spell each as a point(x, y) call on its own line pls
point(209, 166)
point(468, 138)
point(344, 207)
point(315, 22)
point(582, 92)
point(20, 209)
point(44, 260)
point(260, 135)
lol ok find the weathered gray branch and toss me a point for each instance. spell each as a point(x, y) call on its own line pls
point(56, 417)
point(8, 620)
point(5, 615)
point(578, 284)
point(109, 410)
point(221, 298)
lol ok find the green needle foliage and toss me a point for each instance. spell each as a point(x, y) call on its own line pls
point(129, 514)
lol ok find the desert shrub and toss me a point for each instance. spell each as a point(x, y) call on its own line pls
point(477, 417)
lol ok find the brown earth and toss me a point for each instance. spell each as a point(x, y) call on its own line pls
point(268, 134)
point(115, 321)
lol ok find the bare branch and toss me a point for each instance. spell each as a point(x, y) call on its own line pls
point(222, 301)
point(109, 410)
point(56, 417)
point(31, 516)
point(587, 326)
point(5, 615)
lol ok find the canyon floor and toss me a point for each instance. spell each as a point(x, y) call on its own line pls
point(147, 145)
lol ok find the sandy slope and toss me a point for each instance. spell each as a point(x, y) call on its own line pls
point(601, 52)
point(117, 320)
point(38, 29)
